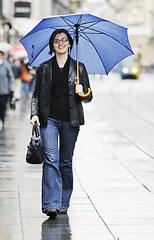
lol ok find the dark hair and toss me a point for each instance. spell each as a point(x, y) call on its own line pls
point(54, 34)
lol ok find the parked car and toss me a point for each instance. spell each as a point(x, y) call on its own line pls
point(129, 68)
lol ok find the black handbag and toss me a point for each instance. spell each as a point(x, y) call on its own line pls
point(34, 153)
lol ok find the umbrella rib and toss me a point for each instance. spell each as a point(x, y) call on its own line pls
point(88, 39)
point(68, 20)
point(94, 23)
point(68, 24)
point(99, 32)
point(79, 21)
point(71, 26)
point(95, 31)
point(81, 24)
point(55, 27)
point(95, 50)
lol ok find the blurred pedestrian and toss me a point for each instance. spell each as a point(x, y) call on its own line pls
point(32, 73)
point(25, 79)
point(57, 108)
point(6, 87)
point(17, 71)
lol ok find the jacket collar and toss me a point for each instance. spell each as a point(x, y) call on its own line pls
point(72, 68)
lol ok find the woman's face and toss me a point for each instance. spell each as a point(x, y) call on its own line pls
point(61, 43)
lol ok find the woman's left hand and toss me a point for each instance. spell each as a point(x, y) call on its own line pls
point(79, 89)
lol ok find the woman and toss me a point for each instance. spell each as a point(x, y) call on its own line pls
point(57, 108)
point(25, 79)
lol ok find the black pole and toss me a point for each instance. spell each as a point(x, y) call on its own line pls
point(77, 33)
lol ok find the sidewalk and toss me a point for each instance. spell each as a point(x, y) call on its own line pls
point(108, 202)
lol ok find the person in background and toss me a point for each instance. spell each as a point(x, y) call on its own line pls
point(17, 71)
point(6, 87)
point(32, 71)
point(57, 108)
point(25, 79)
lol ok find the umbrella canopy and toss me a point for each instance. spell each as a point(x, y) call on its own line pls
point(101, 43)
point(4, 46)
point(17, 52)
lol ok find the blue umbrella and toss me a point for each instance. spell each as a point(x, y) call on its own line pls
point(100, 44)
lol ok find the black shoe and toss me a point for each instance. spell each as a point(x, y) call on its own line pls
point(52, 212)
point(63, 210)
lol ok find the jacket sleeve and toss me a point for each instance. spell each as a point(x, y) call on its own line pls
point(36, 93)
point(10, 78)
point(84, 80)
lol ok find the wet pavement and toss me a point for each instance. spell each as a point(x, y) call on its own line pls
point(113, 175)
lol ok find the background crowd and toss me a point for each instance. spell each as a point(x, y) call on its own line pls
point(16, 82)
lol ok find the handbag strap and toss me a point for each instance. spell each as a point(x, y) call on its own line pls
point(35, 130)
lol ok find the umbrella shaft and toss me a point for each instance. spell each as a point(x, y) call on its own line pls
point(77, 40)
point(77, 33)
point(77, 80)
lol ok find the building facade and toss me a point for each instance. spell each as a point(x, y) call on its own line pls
point(137, 16)
point(13, 26)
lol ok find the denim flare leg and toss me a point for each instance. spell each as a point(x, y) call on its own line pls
point(58, 140)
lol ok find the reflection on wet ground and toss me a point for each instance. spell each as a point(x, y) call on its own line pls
point(109, 200)
point(58, 229)
point(20, 192)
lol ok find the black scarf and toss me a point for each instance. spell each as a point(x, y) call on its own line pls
point(60, 78)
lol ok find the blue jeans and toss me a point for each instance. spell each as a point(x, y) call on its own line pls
point(58, 140)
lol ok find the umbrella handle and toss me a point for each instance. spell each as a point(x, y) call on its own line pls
point(80, 94)
point(85, 95)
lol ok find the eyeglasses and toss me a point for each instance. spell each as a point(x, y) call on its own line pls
point(63, 40)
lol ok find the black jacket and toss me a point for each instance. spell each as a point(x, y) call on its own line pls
point(40, 104)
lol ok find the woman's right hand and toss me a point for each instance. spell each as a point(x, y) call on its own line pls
point(35, 119)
